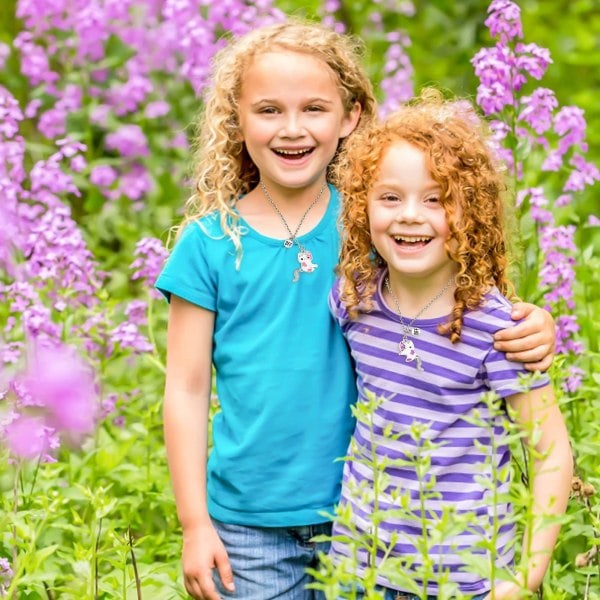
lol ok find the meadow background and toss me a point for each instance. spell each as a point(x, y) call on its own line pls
point(97, 103)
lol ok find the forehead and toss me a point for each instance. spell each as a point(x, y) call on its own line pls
point(290, 70)
point(402, 156)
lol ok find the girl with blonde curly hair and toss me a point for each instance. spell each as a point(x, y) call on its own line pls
point(420, 297)
point(247, 282)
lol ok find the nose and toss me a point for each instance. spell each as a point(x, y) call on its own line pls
point(292, 126)
point(409, 211)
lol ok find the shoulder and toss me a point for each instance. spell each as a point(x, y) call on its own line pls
point(335, 300)
point(337, 306)
point(207, 226)
point(493, 314)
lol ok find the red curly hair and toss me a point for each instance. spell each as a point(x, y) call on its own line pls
point(455, 142)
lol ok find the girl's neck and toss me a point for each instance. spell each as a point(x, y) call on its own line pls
point(297, 198)
point(414, 293)
point(305, 207)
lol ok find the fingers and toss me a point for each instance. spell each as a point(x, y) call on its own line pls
point(201, 586)
point(518, 332)
point(224, 569)
point(542, 365)
point(520, 310)
point(533, 351)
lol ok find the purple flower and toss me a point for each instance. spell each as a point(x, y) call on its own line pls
point(504, 21)
point(135, 183)
point(573, 381)
point(564, 200)
point(157, 109)
point(538, 108)
point(32, 108)
point(553, 161)
point(128, 336)
point(584, 173)
point(570, 124)
point(594, 221)
point(10, 114)
point(150, 256)
point(532, 59)
point(127, 97)
point(566, 329)
point(34, 60)
point(28, 437)
point(129, 141)
point(103, 176)
point(59, 379)
point(10, 354)
point(397, 83)
point(6, 574)
point(108, 405)
point(537, 201)
point(136, 312)
point(99, 115)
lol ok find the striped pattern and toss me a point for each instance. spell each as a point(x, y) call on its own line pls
point(439, 414)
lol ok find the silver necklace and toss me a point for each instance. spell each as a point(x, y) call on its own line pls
point(406, 347)
point(304, 256)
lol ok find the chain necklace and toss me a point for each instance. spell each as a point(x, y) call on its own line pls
point(304, 256)
point(406, 347)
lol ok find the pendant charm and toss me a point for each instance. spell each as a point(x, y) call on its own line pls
point(306, 264)
point(414, 331)
point(407, 349)
point(288, 243)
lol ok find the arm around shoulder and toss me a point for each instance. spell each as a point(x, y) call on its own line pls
point(532, 341)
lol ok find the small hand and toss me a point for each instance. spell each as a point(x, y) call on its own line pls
point(532, 341)
point(506, 591)
point(203, 551)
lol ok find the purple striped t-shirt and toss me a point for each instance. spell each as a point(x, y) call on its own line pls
point(439, 414)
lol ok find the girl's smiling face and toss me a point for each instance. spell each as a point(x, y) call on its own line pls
point(408, 224)
point(291, 118)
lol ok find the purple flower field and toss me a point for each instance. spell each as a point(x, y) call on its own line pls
point(97, 104)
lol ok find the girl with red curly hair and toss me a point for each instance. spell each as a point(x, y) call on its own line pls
point(422, 292)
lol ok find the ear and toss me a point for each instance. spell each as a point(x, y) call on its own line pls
point(350, 120)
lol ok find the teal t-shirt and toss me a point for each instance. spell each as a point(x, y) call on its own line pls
point(283, 373)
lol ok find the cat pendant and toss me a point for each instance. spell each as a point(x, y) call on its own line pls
point(306, 264)
point(407, 349)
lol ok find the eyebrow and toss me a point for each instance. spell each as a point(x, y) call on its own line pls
point(434, 186)
point(309, 101)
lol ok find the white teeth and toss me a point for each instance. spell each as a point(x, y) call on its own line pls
point(292, 152)
point(408, 239)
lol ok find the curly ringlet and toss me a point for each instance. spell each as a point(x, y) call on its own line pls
point(223, 169)
point(456, 144)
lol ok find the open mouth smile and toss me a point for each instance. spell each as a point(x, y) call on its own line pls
point(293, 154)
point(411, 241)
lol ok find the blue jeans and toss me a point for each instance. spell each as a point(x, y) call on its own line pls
point(271, 562)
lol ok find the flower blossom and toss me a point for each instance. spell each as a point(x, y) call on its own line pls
point(64, 384)
point(150, 256)
point(504, 20)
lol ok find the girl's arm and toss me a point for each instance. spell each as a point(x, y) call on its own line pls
point(186, 406)
point(530, 342)
point(537, 413)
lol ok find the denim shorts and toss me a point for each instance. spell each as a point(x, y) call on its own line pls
point(271, 562)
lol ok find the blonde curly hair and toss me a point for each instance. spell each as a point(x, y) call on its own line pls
point(223, 169)
point(459, 156)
